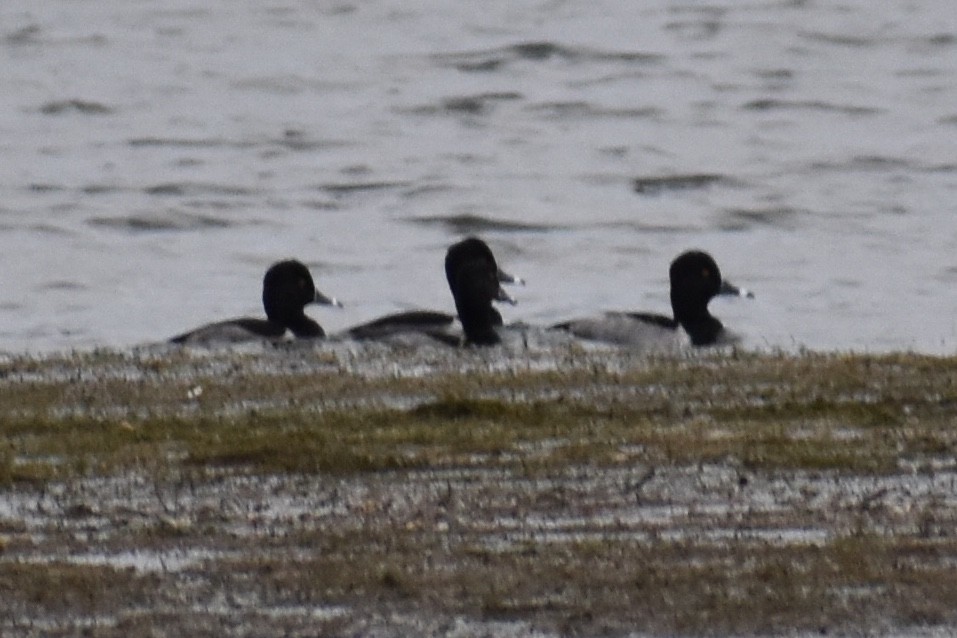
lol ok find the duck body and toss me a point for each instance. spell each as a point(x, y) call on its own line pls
point(433, 324)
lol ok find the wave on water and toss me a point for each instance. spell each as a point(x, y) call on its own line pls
point(165, 189)
point(494, 59)
point(465, 224)
point(197, 189)
point(291, 139)
point(665, 183)
point(23, 35)
point(588, 111)
point(189, 142)
point(771, 104)
point(164, 221)
point(478, 104)
point(344, 189)
point(85, 107)
point(782, 217)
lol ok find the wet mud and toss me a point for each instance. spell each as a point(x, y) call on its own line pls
point(381, 491)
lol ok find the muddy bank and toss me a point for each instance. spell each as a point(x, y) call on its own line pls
point(389, 491)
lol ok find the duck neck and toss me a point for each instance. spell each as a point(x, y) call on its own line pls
point(481, 336)
point(304, 327)
point(703, 328)
point(478, 323)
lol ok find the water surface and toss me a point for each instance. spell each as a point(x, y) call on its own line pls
point(157, 157)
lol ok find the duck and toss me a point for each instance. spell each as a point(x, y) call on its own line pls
point(287, 289)
point(695, 280)
point(474, 279)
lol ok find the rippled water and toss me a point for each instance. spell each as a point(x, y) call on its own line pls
point(156, 157)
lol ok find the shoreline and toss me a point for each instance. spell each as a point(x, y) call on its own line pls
point(389, 491)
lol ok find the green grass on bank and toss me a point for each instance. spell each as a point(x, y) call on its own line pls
point(849, 412)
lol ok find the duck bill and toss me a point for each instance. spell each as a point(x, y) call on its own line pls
point(506, 278)
point(504, 296)
point(326, 301)
point(727, 288)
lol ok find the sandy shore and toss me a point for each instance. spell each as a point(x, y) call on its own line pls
point(389, 491)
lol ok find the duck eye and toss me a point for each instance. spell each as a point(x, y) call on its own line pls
point(705, 273)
